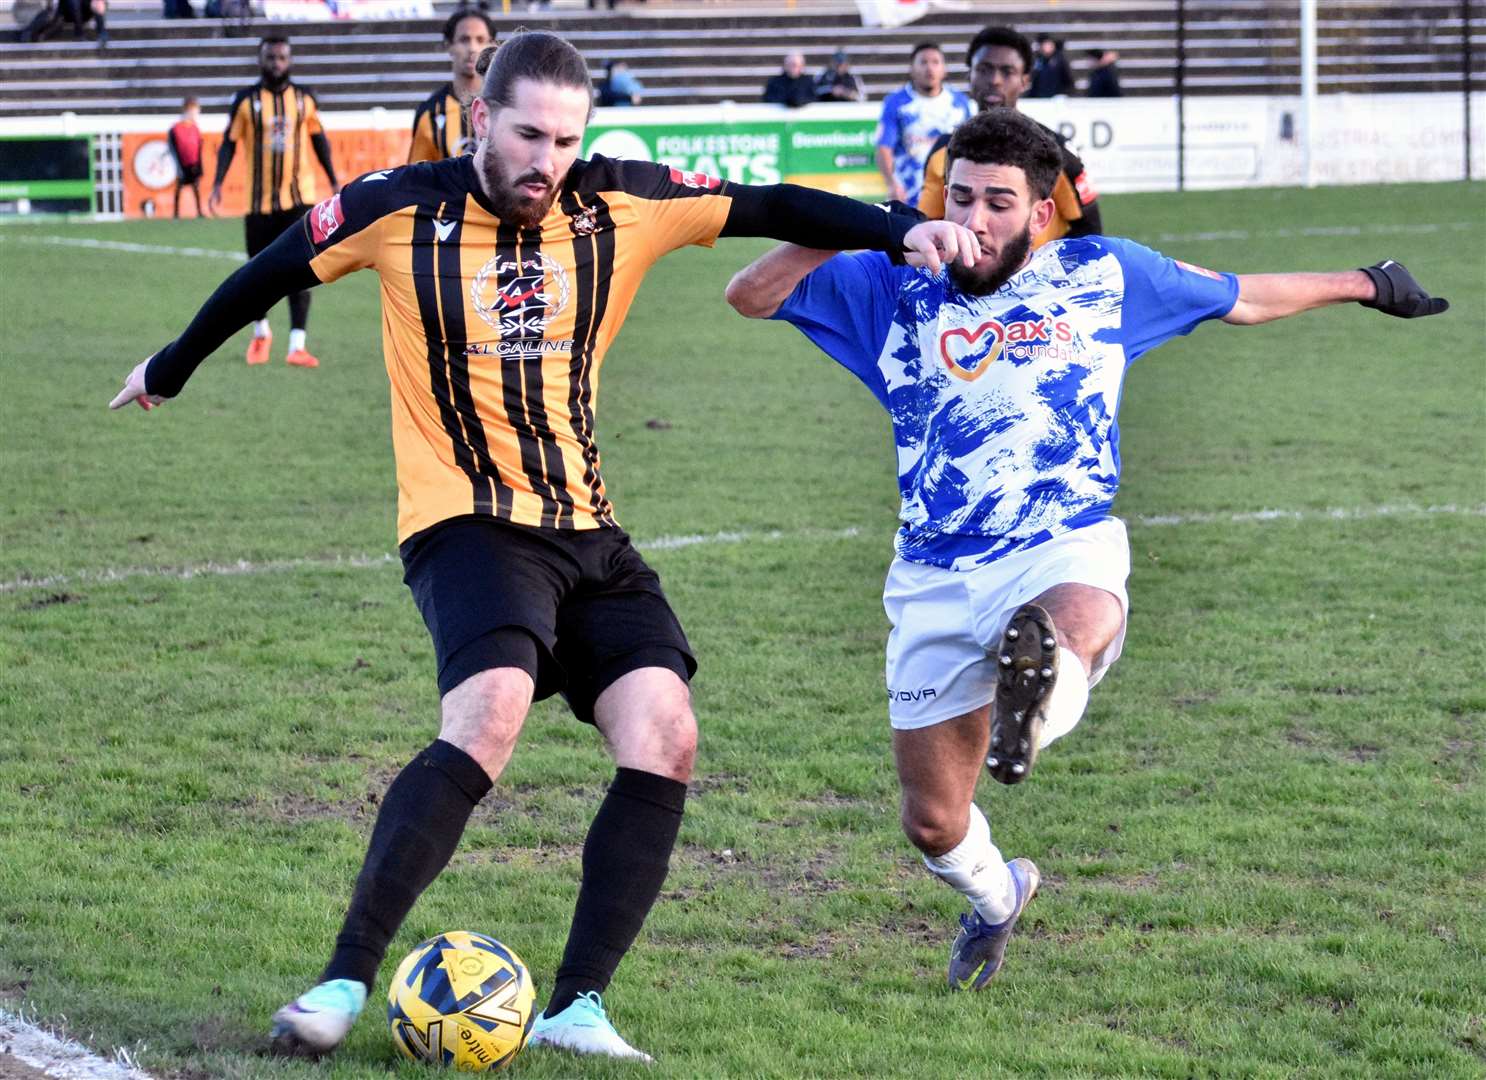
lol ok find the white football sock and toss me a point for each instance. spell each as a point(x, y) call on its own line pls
point(1069, 699)
point(296, 340)
point(260, 329)
point(974, 868)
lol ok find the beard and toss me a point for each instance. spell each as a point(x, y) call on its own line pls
point(509, 204)
point(978, 281)
point(275, 82)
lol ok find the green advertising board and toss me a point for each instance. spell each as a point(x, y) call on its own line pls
point(835, 153)
point(46, 173)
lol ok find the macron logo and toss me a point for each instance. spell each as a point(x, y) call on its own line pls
point(444, 228)
point(372, 178)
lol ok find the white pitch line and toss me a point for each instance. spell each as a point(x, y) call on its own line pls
point(60, 1057)
point(245, 567)
point(1379, 229)
point(120, 245)
point(1333, 514)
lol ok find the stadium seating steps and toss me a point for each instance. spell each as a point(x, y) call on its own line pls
point(709, 52)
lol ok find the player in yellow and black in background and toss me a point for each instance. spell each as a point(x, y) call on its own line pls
point(441, 126)
point(505, 276)
point(1000, 62)
point(278, 124)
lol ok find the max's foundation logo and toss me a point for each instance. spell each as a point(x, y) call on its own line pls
point(968, 353)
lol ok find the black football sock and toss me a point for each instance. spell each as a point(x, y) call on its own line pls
point(423, 815)
point(299, 310)
point(625, 860)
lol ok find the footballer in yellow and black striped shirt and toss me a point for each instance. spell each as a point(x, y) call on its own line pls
point(277, 122)
point(441, 125)
point(505, 276)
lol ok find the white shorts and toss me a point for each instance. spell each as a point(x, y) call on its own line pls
point(946, 622)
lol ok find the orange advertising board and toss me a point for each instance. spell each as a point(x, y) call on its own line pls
point(149, 170)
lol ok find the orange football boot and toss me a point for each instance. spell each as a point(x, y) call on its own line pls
point(258, 350)
point(301, 358)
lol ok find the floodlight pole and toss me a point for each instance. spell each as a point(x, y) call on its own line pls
point(1307, 91)
point(1181, 95)
point(1465, 65)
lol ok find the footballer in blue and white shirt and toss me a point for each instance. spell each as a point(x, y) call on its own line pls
point(913, 118)
point(1002, 378)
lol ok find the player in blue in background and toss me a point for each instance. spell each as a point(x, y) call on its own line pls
point(913, 118)
point(1007, 596)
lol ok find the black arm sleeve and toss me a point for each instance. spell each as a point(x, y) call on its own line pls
point(278, 270)
point(1088, 225)
point(175, 151)
point(322, 151)
point(815, 219)
point(224, 161)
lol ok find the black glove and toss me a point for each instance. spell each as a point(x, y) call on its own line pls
point(1399, 294)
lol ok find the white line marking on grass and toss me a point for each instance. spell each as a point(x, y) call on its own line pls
point(120, 245)
point(61, 1057)
point(244, 567)
point(1358, 513)
point(1378, 229)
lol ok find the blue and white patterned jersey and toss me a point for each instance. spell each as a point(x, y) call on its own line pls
point(911, 123)
point(1003, 406)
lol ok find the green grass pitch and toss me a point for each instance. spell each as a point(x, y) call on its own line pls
point(1264, 849)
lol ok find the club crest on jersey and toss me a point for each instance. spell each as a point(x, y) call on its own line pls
point(699, 180)
point(325, 218)
point(586, 221)
point(968, 353)
point(517, 298)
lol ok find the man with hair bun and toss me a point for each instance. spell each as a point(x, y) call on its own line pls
point(505, 276)
point(441, 125)
point(1007, 596)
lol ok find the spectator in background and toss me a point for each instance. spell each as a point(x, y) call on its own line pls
point(1000, 62)
point(48, 21)
point(441, 125)
point(1104, 80)
point(619, 86)
point(837, 82)
point(1051, 75)
point(185, 146)
point(791, 87)
point(178, 9)
point(912, 118)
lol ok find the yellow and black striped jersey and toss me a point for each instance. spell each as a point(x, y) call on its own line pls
point(274, 129)
point(1075, 202)
point(494, 335)
point(441, 127)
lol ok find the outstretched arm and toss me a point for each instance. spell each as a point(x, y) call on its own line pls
point(759, 288)
point(280, 269)
point(321, 146)
point(1387, 286)
point(821, 220)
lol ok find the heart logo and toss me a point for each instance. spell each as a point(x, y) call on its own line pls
point(968, 353)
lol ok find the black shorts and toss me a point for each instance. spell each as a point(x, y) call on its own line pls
point(260, 230)
point(575, 609)
point(189, 174)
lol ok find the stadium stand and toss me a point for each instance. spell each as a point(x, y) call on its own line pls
point(700, 52)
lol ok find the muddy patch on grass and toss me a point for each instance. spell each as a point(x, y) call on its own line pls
point(728, 783)
point(217, 1034)
point(51, 600)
